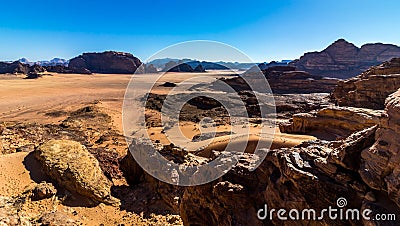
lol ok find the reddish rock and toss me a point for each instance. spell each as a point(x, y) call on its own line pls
point(285, 80)
point(371, 88)
point(108, 62)
point(345, 60)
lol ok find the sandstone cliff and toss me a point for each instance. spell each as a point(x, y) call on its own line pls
point(345, 60)
point(371, 88)
point(108, 62)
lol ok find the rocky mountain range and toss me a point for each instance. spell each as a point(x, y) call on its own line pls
point(52, 62)
point(345, 60)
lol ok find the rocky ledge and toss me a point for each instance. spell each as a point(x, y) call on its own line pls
point(371, 88)
point(332, 122)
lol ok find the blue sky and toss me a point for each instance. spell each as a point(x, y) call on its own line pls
point(265, 30)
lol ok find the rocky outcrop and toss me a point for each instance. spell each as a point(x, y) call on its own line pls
point(14, 67)
point(74, 168)
point(345, 60)
point(149, 68)
point(313, 175)
point(332, 122)
point(108, 62)
point(58, 69)
point(361, 171)
point(285, 80)
point(380, 167)
point(181, 67)
point(199, 68)
point(371, 88)
point(299, 178)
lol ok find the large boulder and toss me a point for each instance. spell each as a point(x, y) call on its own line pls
point(71, 165)
point(345, 60)
point(371, 88)
point(109, 62)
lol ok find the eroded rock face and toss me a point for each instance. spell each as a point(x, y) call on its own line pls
point(108, 62)
point(371, 88)
point(332, 122)
point(74, 168)
point(380, 167)
point(14, 67)
point(313, 175)
point(345, 60)
point(284, 80)
point(363, 168)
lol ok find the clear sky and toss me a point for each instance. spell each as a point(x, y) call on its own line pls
point(264, 29)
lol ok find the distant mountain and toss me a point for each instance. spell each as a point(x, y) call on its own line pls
point(264, 66)
point(343, 59)
point(53, 62)
point(220, 65)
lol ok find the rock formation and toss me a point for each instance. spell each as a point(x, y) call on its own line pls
point(108, 62)
point(380, 164)
point(199, 68)
point(285, 79)
point(58, 69)
point(14, 67)
point(180, 67)
point(371, 88)
point(332, 122)
point(345, 60)
point(362, 168)
point(74, 168)
point(149, 68)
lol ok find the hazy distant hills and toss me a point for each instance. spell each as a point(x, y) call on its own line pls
point(220, 65)
point(53, 62)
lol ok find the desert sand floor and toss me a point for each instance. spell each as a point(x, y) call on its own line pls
point(24, 100)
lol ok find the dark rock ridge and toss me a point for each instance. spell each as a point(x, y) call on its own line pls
point(371, 88)
point(108, 62)
point(14, 67)
point(17, 67)
point(345, 60)
point(58, 69)
point(183, 67)
point(285, 79)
